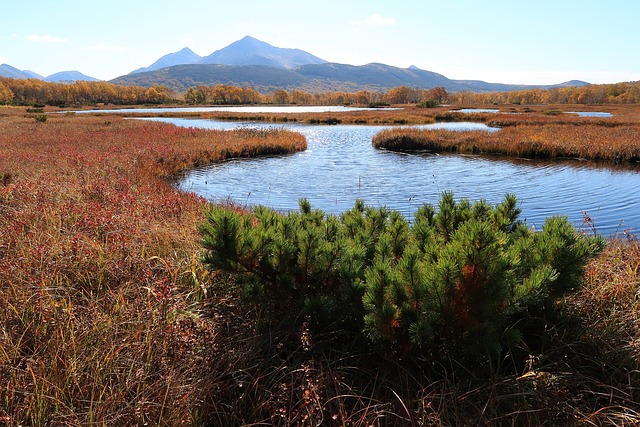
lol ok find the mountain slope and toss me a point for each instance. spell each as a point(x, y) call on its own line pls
point(31, 75)
point(181, 77)
point(375, 75)
point(251, 51)
point(7, 70)
point(312, 78)
point(183, 56)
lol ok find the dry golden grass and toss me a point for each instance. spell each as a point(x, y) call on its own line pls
point(617, 144)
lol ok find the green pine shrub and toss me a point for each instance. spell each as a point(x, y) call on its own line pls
point(463, 280)
point(429, 103)
point(40, 118)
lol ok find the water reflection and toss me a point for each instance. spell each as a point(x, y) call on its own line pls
point(591, 113)
point(477, 110)
point(240, 109)
point(495, 110)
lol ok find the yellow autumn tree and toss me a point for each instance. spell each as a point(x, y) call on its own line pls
point(6, 95)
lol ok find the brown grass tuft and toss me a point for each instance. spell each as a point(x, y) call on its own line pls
point(617, 144)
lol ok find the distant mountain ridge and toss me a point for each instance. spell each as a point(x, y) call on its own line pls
point(313, 78)
point(7, 70)
point(250, 62)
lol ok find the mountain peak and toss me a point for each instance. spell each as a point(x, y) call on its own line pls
point(186, 50)
point(181, 57)
point(249, 42)
point(251, 51)
point(573, 83)
point(249, 38)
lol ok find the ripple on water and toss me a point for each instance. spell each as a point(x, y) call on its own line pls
point(341, 165)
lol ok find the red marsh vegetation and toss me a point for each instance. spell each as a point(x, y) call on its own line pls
point(99, 271)
point(109, 318)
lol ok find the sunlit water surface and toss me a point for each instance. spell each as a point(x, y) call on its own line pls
point(239, 109)
point(340, 165)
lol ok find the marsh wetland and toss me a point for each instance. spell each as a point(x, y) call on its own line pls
point(340, 165)
point(111, 317)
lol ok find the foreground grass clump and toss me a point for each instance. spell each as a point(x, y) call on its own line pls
point(99, 276)
point(465, 279)
point(617, 144)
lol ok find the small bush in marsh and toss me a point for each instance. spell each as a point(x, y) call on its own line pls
point(455, 282)
point(429, 103)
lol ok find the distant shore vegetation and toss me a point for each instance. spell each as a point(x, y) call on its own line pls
point(81, 93)
point(618, 144)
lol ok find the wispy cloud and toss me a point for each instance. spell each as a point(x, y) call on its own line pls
point(46, 38)
point(103, 47)
point(374, 20)
point(3, 59)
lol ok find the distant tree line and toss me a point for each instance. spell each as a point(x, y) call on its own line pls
point(34, 91)
point(232, 95)
point(617, 93)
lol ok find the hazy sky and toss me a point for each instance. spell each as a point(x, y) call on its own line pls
point(507, 41)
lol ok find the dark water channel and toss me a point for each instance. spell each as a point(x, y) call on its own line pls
point(341, 165)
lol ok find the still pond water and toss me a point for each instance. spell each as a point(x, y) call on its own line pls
point(340, 165)
point(239, 109)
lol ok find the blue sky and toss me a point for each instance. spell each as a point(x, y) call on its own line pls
point(507, 41)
